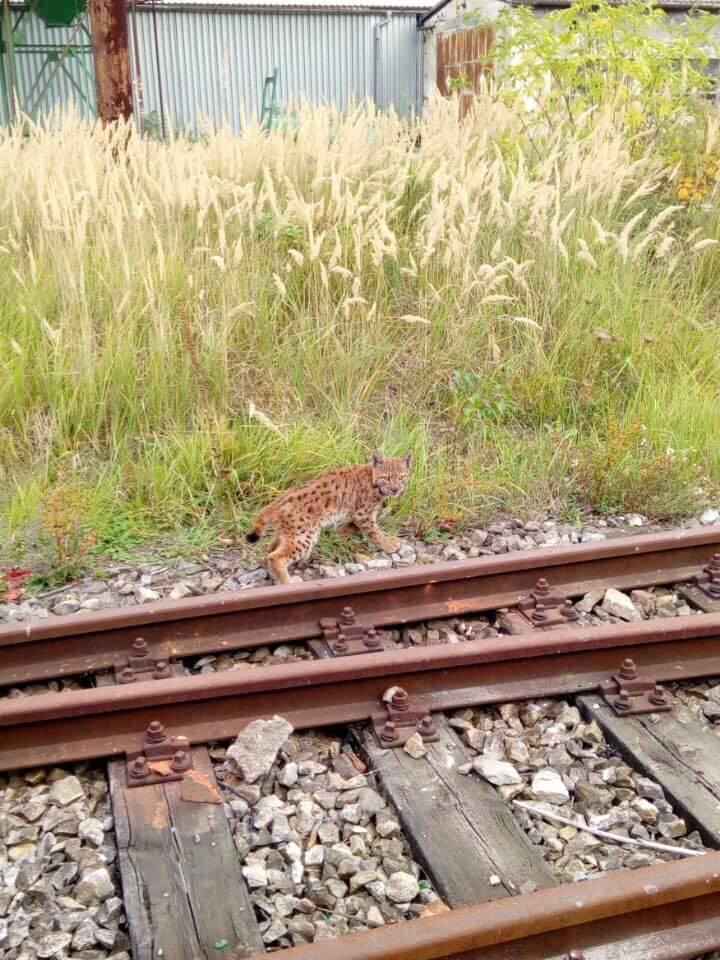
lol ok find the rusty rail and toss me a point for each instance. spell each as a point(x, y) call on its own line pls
point(673, 907)
point(63, 646)
point(75, 725)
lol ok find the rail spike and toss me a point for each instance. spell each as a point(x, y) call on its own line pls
point(403, 716)
point(630, 694)
point(163, 758)
point(346, 635)
point(543, 609)
point(141, 665)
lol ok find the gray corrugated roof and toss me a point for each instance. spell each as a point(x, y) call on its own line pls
point(414, 6)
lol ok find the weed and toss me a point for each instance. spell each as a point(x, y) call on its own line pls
point(481, 398)
point(207, 323)
point(64, 532)
point(622, 470)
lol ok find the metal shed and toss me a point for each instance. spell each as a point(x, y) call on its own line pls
point(206, 60)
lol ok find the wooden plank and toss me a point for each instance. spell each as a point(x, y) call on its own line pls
point(673, 749)
point(211, 867)
point(182, 884)
point(156, 905)
point(462, 831)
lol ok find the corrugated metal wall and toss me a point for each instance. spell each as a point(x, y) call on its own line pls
point(212, 63)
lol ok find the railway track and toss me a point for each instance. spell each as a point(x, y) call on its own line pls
point(156, 727)
point(64, 646)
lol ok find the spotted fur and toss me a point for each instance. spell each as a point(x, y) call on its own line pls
point(350, 496)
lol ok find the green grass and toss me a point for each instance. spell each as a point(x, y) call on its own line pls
point(185, 334)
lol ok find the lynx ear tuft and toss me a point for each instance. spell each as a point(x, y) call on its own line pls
point(377, 458)
point(408, 458)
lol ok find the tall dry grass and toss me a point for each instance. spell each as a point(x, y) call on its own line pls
point(188, 327)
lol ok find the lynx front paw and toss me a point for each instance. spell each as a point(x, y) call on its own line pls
point(391, 544)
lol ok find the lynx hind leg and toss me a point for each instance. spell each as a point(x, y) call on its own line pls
point(286, 552)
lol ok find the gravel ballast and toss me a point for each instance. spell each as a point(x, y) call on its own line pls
point(321, 851)
point(545, 753)
point(59, 889)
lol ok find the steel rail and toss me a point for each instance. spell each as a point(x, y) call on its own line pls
point(673, 907)
point(62, 646)
point(84, 724)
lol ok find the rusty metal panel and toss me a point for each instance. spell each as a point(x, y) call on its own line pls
point(464, 56)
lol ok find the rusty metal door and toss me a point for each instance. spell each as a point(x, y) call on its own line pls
point(463, 63)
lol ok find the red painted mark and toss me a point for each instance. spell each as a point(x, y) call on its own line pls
point(11, 584)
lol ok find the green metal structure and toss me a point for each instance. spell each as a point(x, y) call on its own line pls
point(269, 112)
point(29, 92)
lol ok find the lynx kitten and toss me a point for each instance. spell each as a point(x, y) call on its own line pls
point(352, 496)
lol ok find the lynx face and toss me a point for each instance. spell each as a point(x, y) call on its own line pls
point(390, 475)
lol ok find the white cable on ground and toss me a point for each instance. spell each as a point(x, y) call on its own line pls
point(615, 837)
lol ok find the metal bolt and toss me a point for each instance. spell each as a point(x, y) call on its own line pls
point(542, 588)
point(713, 587)
point(622, 701)
point(426, 726)
point(628, 670)
point(400, 700)
point(162, 670)
point(127, 676)
point(139, 768)
point(340, 644)
point(155, 732)
point(575, 955)
point(658, 696)
point(347, 617)
point(388, 732)
point(140, 647)
point(538, 614)
point(180, 761)
point(569, 611)
point(371, 639)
